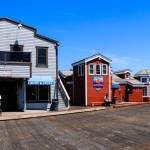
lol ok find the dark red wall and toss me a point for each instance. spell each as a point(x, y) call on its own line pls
point(137, 95)
point(79, 88)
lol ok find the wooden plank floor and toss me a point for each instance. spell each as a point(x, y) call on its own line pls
point(112, 129)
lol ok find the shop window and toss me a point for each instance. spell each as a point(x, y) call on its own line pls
point(98, 69)
point(37, 93)
point(81, 70)
point(43, 93)
point(145, 91)
point(91, 69)
point(104, 69)
point(41, 57)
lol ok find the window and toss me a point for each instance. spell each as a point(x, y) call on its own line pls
point(127, 76)
point(104, 69)
point(145, 91)
point(91, 69)
point(98, 69)
point(80, 70)
point(37, 93)
point(41, 57)
point(144, 80)
point(16, 48)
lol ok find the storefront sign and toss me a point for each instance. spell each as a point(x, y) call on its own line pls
point(41, 80)
point(98, 82)
point(4, 72)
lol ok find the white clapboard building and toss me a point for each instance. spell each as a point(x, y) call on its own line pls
point(28, 69)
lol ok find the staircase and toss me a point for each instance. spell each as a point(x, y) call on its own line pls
point(64, 99)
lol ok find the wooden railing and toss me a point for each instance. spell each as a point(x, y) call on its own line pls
point(15, 56)
point(64, 93)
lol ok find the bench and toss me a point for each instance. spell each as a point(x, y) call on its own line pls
point(96, 103)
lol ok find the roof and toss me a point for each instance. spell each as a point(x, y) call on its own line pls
point(143, 72)
point(122, 71)
point(85, 60)
point(30, 28)
point(66, 73)
point(132, 81)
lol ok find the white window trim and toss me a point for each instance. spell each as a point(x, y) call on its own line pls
point(99, 68)
point(147, 92)
point(80, 67)
point(127, 76)
point(144, 78)
point(93, 69)
point(106, 69)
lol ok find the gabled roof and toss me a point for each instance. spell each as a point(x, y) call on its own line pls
point(92, 58)
point(132, 81)
point(143, 72)
point(122, 71)
point(65, 73)
point(30, 28)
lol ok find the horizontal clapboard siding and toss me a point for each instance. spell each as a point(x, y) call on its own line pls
point(15, 71)
point(9, 33)
point(26, 37)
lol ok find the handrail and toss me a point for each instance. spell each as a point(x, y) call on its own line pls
point(64, 89)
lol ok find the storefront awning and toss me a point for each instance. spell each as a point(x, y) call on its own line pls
point(41, 80)
point(115, 86)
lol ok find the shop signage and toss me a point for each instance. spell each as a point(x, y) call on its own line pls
point(98, 82)
point(4, 72)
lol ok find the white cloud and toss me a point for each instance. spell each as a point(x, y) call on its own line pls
point(124, 62)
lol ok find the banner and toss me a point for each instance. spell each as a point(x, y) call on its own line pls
point(98, 82)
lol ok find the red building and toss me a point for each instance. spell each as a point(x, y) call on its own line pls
point(125, 87)
point(92, 80)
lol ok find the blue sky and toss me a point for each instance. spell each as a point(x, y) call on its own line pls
point(118, 29)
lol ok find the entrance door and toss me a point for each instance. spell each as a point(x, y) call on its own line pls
point(8, 93)
point(128, 92)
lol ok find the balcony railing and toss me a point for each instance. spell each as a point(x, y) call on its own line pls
point(15, 56)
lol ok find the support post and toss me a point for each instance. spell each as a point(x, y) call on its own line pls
point(0, 106)
point(56, 84)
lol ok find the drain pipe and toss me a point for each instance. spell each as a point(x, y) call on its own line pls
point(56, 84)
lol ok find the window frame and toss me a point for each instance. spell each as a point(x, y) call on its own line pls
point(145, 95)
point(37, 94)
point(103, 69)
point(144, 78)
point(37, 57)
point(12, 46)
point(81, 70)
point(99, 69)
point(90, 69)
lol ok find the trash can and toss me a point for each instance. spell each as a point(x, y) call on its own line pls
point(115, 100)
point(55, 103)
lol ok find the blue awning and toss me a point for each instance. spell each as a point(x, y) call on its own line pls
point(41, 80)
point(115, 86)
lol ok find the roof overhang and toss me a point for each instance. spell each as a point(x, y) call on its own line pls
point(32, 29)
point(97, 56)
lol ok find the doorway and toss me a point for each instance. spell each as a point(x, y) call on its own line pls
point(8, 92)
point(128, 91)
